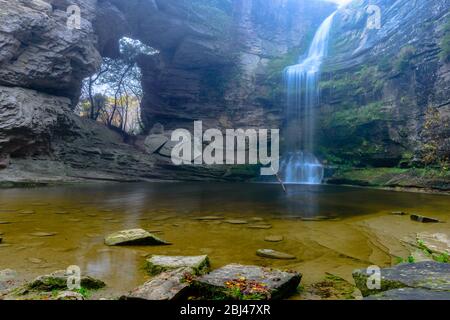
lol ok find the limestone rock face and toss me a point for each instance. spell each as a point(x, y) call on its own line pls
point(386, 91)
point(28, 120)
point(38, 49)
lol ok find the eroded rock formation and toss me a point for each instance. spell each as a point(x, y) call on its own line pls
point(385, 92)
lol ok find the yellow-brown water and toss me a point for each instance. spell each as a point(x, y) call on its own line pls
point(362, 230)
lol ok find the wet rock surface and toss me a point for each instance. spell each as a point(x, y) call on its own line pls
point(133, 237)
point(169, 285)
point(423, 219)
point(426, 275)
point(410, 294)
point(438, 243)
point(278, 284)
point(273, 254)
point(196, 264)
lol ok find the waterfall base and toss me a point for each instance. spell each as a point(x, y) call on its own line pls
point(302, 168)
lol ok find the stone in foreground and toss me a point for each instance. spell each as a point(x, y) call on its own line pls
point(438, 243)
point(196, 264)
point(272, 254)
point(69, 296)
point(425, 275)
point(269, 283)
point(133, 237)
point(58, 281)
point(7, 279)
point(410, 294)
point(169, 285)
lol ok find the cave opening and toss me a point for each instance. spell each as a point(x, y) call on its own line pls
point(113, 95)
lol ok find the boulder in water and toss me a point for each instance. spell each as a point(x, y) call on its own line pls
point(423, 219)
point(252, 282)
point(194, 264)
point(133, 237)
point(58, 281)
point(272, 254)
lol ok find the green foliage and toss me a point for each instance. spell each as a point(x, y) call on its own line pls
point(86, 293)
point(443, 258)
point(403, 61)
point(218, 13)
point(356, 116)
point(445, 44)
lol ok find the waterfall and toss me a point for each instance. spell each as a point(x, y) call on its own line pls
point(299, 164)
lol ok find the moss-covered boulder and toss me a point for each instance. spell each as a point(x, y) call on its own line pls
point(427, 275)
point(58, 281)
point(133, 237)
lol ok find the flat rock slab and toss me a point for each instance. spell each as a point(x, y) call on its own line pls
point(423, 219)
point(425, 275)
point(209, 218)
point(58, 281)
point(166, 286)
point(236, 221)
point(278, 284)
point(43, 234)
point(158, 264)
point(274, 238)
point(410, 294)
point(438, 243)
point(273, 254)
point(155, 142)
point(260, 226)
point(133, 237)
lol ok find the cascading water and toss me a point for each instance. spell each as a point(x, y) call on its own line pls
point(302, 85)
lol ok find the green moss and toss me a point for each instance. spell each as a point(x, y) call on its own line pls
point(445, 44)
point(403, 61)
point(361, 282)
point(356, 116)
point(218, 13)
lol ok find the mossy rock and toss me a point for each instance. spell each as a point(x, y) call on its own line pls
point(58, 281)
point(426, 275)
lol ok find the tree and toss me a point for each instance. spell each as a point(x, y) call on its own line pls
point(113, 95)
